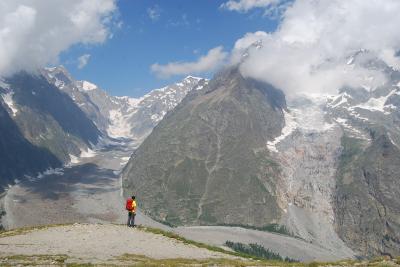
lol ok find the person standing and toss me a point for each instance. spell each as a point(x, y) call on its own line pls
point(131, 208)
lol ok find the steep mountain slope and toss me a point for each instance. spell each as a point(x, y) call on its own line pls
point(368, 190)
point(338, 157)
point(93, 101)
point(152, 107)
point(41, 127)
point(49, 118)
point(18, 156)
point(207, 161)
point(367, 214)
point(367, 200)
point(307, 152)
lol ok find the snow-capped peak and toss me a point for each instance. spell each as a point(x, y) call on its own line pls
point(193, 78)
point(51, 69)
point(88, 86)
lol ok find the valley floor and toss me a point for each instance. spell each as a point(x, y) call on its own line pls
point(90, 192)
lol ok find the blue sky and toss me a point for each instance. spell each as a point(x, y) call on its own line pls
point(181, 30)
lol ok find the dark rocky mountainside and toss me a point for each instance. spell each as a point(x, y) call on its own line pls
point(40, 127)
point(49, 118)
point(84, 99)
point(18, 156)
point(207, 162)
point(367, 201)
point(367, 194)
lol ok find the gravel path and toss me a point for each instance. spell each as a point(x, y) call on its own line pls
point(99, 243)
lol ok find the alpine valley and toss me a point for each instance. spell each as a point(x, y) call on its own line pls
point(213, 160)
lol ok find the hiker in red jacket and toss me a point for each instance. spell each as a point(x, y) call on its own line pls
point(131, 208)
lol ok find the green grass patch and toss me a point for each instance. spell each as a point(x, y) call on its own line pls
point(166, 223)
point(33, 260)
point(25, 230)
point(138, 260)
point(257, 251)
point(182, 239)
point(272, 228)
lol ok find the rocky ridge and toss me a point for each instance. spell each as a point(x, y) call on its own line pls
point(126, 117)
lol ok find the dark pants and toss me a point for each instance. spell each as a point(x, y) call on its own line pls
point(131, 219)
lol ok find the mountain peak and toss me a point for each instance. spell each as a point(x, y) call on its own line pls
point(190, 77)
point(59, 74)
point(88, 86)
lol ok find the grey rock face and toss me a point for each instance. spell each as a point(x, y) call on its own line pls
point(49, 118)
point(367, 193)
point(207, 161)
point(41, 127)
point(308, 158)
point(93, 101)
point(152, 107)
point(18, 156)
point(366, 202)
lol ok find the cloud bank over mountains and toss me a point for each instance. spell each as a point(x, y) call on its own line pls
point(209, 62)
point(310, 50)
point(312, 46)
point(34, 32)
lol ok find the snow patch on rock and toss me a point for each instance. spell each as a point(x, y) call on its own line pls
point(8, 99)
point(120, 125)
point(290, 126)
point(73, 159)
point(41, 175)
point(88, 86)
point(88, 153)
point(377, 104)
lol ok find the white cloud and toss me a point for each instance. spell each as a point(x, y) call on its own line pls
point(214, 58)
point(154, 12)
point(246, 5)
point(311, 47)
point(83, 61)
point(244, 43)
point(34, 32)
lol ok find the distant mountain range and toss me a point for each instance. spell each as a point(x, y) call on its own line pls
point(121, 116)
point(49, 118)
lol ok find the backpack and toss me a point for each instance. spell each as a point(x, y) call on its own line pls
point(129, 204)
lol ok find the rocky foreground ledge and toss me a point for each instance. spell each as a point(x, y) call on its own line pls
point(116, 245)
